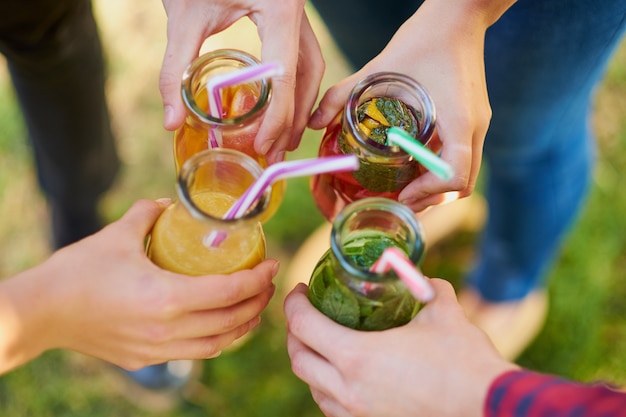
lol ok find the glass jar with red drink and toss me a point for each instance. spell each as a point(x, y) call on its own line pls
point(379, 101)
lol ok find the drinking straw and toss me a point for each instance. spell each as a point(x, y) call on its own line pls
point(423, 155)
point(283, 170)
point(416, 282)
point(240, 76)
point(213, 141)
point(289, 169)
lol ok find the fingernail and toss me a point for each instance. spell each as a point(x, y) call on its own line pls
point(314, 119)
point(275, 268)
point(215, 355)
point(266, 146)
point(164, 201)
point(408, 201)
point(280, 156)
point(255, 322)
point(168, 116)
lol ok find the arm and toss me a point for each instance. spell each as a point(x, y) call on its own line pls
point(437, 365)
point(103, 297)
point(441, 46)
point(286, 37)
point(526, 393)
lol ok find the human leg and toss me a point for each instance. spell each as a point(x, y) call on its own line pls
point(55, 59)
point(542, 68)
point(543, 62)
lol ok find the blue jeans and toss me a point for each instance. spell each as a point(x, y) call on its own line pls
point(543, 61)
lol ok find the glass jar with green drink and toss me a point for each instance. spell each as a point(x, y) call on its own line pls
point(192, 236)
point(378, 102)
point(342, 285)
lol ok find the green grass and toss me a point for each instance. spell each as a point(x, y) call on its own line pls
point(584, 337)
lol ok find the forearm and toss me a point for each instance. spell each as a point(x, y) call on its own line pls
point(450, 24)
point(24, 307)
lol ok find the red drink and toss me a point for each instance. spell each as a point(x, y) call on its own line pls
point(361, 129)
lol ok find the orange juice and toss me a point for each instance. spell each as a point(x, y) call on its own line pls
point(179, 242)
point(237, 101)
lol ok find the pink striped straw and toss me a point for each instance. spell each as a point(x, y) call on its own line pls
point(290, 169)
point(416, 282)
point(241, 76)
point(279, 171)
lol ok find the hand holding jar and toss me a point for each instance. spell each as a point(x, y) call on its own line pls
point(286, 36)
point(446, 56)
point(182, 239)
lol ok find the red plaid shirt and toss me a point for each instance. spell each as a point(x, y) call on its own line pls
point(523, 393)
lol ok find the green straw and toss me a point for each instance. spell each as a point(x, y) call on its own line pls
point(423, 155)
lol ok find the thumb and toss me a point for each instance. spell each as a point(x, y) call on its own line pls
point(444, 291)
point(444, 306)
point(332, 103)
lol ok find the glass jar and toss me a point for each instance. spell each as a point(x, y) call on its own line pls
point(379, 101)
point(186, 238)
point(342, 285)
point(243, 108)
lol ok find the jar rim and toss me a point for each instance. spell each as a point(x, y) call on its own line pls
point(394, 208)
point(426, 126)
point(235, 58)
point(189, 169)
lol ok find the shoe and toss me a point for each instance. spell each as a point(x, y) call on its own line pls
point(159, 387)
point(511, 325)
point(168, 376)
point(70, 225)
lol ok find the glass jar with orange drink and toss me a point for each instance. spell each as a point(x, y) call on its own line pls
point(376, 103)
point(242, 109)
point(192, 236)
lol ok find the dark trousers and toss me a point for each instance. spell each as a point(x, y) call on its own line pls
point(55, 59)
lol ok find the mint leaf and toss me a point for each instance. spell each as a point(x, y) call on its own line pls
point(393, 312)
point(341, 305)
point(368, 249)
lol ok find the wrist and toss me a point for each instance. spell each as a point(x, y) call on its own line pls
point(24, 318)
point(455, 22)
point(487, 11)
point(480, 383)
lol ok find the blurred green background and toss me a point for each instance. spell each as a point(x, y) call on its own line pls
point(584, 337)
